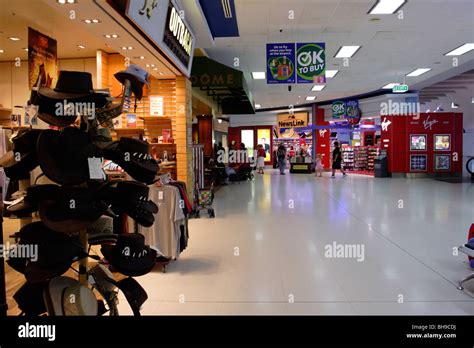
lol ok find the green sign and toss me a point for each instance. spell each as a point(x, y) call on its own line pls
point(338, 109)
point(400, 89)
point(311, 62)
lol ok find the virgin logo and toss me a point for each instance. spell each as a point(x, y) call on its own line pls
point(428, 124)
point(322, 132)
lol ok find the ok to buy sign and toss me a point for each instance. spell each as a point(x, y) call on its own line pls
point(311, 62)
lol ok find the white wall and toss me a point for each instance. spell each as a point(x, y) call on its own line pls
point(14, 80)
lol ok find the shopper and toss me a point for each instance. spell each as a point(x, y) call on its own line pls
point(260, 158)
point(337, 160)
point(281, 155)
point(319, 165)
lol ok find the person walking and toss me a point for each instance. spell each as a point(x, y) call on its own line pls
point(319, 165)
point(281, 155)
point(337, 160)
point(260, 158)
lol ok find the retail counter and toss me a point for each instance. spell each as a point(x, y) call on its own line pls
point(303, 165)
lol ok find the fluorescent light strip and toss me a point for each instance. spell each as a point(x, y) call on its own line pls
point(226, 8)
point(331, 73)
point(386, 6)
point(390, 85)
point(418, 72)
point(310, 98)
point(258, 75)
point(347, 51)
point(467, 47)
point(317, 88)
point(257, 106)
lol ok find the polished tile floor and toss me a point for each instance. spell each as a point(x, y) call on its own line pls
point(265, 252)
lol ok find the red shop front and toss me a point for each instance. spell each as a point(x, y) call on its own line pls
point(430, 143)
point(251, 137)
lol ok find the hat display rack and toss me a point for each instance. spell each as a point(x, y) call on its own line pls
point(81, 197)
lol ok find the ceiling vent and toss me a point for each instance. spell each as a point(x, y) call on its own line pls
point(227, 9)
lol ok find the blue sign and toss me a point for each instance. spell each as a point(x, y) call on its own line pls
point(352, 109)
point(281, 63)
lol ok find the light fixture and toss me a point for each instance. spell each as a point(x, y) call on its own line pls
point(1, 51)
point(310, 98)
point(219, 120)
point(347, 51)
point(14, 38)
point(472, 100)
point(317, 88)
point(257, 106)
point(81, 47)
point(130, 47)
point(160, 73)
point(95, 21)
point(108, 36)
point(461, 50)
point(71, 1)
point(115, 36)
point(331, 73)
point(148, 65)
point(418, 72)
point(390, 85)
point(454, 105)
point(153, 65)
point(126, 48)
point(142, 57)
point(386, 6)
point(155, 69)
point(226, 8)
point(89, 21)
point(25, 49)
point(62, 2)
point(258, 75)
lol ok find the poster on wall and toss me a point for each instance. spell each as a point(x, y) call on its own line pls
point(418, 163)
point(156, 105)
point(263, 138)
point(442, 162)
point(418, 142)
point(311, 62)
point(442, 142)
point(281, 63)
point(131, 121)
point(42, 60)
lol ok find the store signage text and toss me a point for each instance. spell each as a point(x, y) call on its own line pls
point(213, 80)
point(322, 132)
point(338, 109)
point(292, 121)
point(400, 89)
point(428, 124)
point(179, 30)
point(311, 63)
point(385, 124)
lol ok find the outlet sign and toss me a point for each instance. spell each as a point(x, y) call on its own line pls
point(400, 89)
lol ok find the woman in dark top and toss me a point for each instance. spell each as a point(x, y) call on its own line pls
point(337, 160)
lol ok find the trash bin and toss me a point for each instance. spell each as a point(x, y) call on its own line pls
point(381, 168)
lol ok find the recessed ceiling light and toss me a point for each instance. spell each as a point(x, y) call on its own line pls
point(257, 106)
point(81, 47)
point(310, 98)
point(108, 36)
point(390, 85)
point(461, 50)
point(331, 73)
point(87, 21)
point(124, 48)
point(14, 38)
point(387, 6)
point(71, 1)
point(317, 88)
point(418, 72)
point(62, 2)
point(1, 51)
point(258, 75)
point(95, 21)
point(114, 36)
point(161, 73)
point(25, 49)
point(152, 65)
point(148, 65)
point(130, 47)
point(142, 57)
point(347, 51)
point(155, 69)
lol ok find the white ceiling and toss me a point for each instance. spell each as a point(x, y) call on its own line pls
point(391, 47)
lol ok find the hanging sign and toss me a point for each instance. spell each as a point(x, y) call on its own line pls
point(281, 63)
point(311, 62)
point(299, 119)
point(352, 109)
point(42, 60)
point(338, 109)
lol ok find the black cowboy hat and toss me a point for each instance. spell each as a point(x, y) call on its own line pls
point(56, 252)
point(72, 210)
point(130, 256)
point(137, 77)
point(63, 155)
point(72, 87)
point(131, 198)
point(61, 290)
point(134, 293)
point(34, 194)
point(22, 159)
point(29, 298)
point(133, 156)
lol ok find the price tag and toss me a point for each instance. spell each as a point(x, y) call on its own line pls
point(160, 195)
point(95, 168)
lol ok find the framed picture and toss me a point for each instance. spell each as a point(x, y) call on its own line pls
point(418, 142)
point(442, 142)
point(418, 163)
point(442, 162)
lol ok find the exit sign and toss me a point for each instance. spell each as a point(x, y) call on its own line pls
point(400, 89)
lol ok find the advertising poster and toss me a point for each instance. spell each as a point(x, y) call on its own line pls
point(263, 138)
point(442, 142)
point(131, 121)
point(311, 62)
point(352, 109)
point(156, 105)
point(42, 60)
point(338, 109)
point(281, 63)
